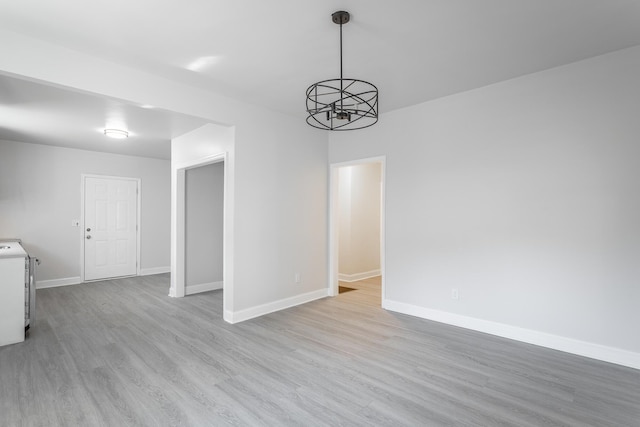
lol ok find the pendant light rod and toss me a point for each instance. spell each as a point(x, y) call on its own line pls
point(341, 79)
point(341, 17)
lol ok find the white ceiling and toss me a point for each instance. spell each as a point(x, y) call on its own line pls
point(269, 52)
point(36, 113)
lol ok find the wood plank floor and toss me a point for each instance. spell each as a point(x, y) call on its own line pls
point(369, 292)
point(120, 353)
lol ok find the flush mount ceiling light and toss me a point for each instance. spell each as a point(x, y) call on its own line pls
point(116, 133)
point(342, 104)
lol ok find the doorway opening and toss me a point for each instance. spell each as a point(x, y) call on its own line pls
point(356, 259)
point(180, 229)
point(204, 228)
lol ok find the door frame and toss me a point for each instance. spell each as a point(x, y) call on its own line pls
point(83, 178)
point(334, 216)
point(178, 264)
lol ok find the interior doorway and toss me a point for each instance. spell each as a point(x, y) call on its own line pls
point(357, 229)
point(179, 231)
point(204, 228)
point(110, 244)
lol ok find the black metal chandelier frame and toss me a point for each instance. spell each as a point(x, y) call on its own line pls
point(342, 104)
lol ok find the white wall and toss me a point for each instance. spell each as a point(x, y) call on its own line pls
point(204, 224)
point(275, 213)
point(40, 195)
point(359, 227)
point(523, 195)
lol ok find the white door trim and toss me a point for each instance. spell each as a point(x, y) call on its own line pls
point(334, 222)
point(178, 270)
point(82, 225)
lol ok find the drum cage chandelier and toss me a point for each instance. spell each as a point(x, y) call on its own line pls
point(342, 104)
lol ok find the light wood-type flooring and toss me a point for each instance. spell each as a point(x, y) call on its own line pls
point(366, 292)
point(122, 353)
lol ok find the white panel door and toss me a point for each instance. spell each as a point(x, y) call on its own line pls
point(110, 227)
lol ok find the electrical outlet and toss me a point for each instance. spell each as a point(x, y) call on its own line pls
point(455, 294)
point(297, 277)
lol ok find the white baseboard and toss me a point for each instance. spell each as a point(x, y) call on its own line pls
point(358, 276)
point(250, 313)
point(202, 287)
point(568, 345)
point(154, 270)
point(54, 283)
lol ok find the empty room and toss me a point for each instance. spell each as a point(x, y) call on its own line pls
point(250, 213)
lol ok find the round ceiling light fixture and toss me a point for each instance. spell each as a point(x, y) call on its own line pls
point(116, 133)
point(342, 104)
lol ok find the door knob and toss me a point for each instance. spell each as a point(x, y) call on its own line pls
point(88, 237)
point(88, 229)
